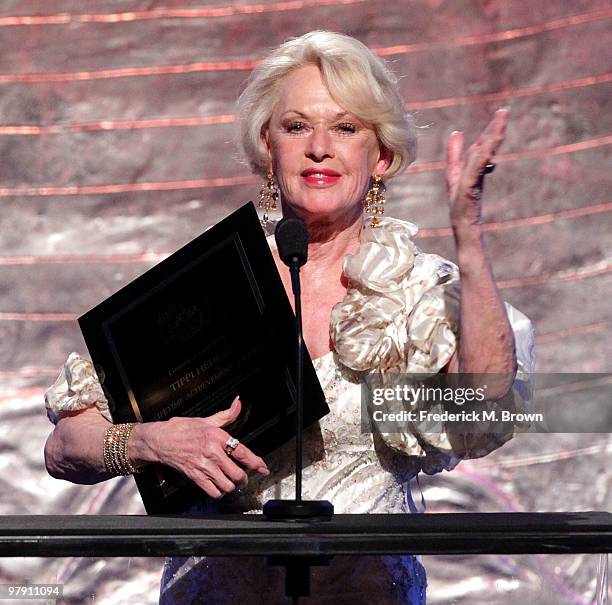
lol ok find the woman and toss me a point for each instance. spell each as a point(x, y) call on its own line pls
point(322, 120)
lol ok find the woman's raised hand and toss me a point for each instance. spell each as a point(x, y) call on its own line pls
point(197, 448)
point(464, 170)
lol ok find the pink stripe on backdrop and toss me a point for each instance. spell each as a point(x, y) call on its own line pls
point(58, 190)
point(598, 269)
point(108, 125)
point(248, 64)
point(171, 13)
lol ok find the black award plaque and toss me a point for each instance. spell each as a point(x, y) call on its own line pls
point(210, 322)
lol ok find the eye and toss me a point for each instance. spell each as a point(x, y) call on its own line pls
point(346, 128)
point(295, 126)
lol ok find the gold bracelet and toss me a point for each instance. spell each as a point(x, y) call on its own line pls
point(116, 457)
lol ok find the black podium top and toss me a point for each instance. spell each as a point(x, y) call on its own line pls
point(240, 535)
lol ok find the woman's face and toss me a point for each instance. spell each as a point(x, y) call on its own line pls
point(322, 155)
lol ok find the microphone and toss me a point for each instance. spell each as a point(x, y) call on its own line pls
point(292, 241)
point(291, 238)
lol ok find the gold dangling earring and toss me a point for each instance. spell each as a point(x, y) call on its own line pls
point(375, 200)
point(268, 196)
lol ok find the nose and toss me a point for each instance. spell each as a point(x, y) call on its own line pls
point(320, 145)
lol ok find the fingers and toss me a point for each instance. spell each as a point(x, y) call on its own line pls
point(232, 471)
point(249, 459)
point(454, 148)
point(454, 160)
point(491, 138)
point(217, 466)
point(493, 135)
point(241, 453)
point(205, 471)
point(483, 150)
point(197, 448)
point(216, 473)
point(225, 417)
point(211, 489)
point(220, 481)
point(220, 475)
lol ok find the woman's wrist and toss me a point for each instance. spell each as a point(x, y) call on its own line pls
point(141, 450)
point(116, 447)
point(471, 254)
point(467, 234)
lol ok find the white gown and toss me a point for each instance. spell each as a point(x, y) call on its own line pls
point(400, 314)
point(352, 470)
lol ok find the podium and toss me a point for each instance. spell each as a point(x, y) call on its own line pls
point(239, 535)
point(298, 545)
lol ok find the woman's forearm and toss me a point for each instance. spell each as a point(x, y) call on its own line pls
point(196, 447)
point(74, 450)
point(486, 341)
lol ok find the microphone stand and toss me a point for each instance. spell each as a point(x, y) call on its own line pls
point(297, 567)
point(298, 509)
point(299, 435)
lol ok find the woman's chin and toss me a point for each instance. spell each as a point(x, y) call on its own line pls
point(323, 213)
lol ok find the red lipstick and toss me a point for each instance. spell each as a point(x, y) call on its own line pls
point(320, 176)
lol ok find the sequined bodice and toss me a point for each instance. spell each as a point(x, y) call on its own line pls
point(357, 471)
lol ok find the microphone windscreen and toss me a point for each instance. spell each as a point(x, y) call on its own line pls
point(292, 241)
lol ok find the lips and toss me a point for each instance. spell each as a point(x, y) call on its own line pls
point(320, 176)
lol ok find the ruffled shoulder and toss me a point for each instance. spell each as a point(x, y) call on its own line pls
point(401, 315)
point(401, 309)
point(76, 388)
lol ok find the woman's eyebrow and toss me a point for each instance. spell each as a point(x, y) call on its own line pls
point(338, 116)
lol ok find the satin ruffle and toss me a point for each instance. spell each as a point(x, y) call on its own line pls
point(76, 388)
point(401, 310)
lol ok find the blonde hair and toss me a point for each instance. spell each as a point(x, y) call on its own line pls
point(357, 80)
